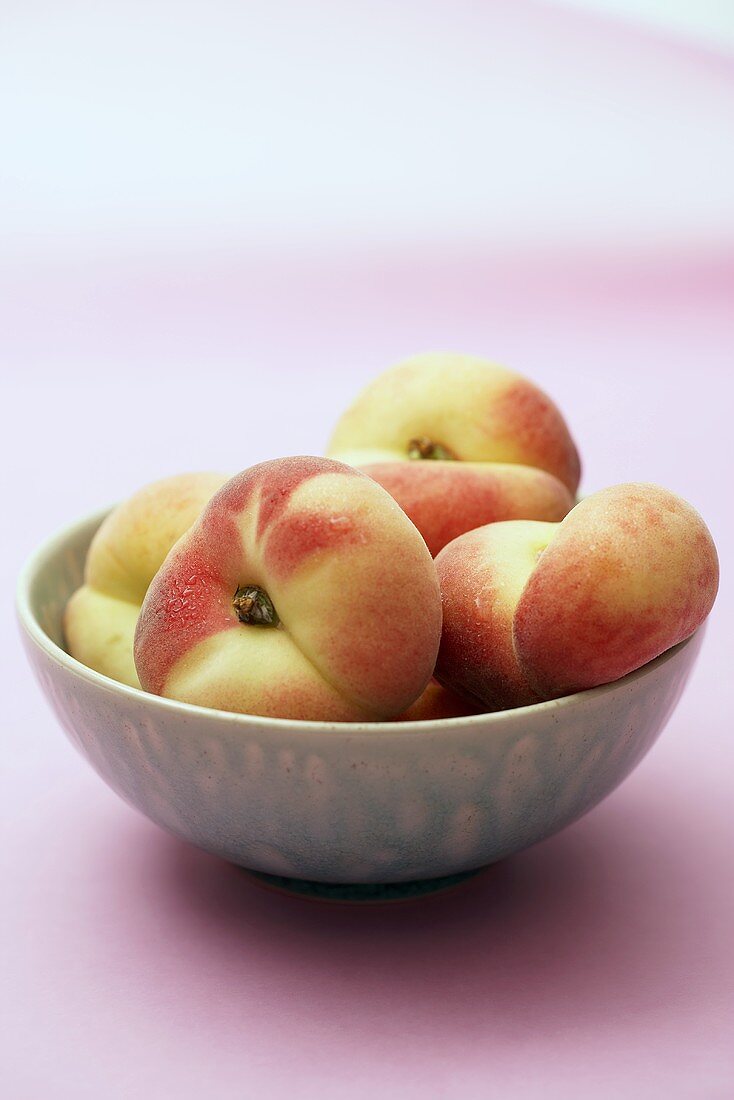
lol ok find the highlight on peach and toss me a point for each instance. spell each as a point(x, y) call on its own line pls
point(437, 564)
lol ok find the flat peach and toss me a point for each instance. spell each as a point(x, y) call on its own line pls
point(538, 610)
point(460, 442)
point(632, 571)
point(125, 554)
point(303, 591)
point(466, 408)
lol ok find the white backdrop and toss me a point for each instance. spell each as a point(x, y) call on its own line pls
point(148, 124)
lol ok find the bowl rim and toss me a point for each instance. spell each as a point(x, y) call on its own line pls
point(33, 629)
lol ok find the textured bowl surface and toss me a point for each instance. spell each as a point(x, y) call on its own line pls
point(343, 803)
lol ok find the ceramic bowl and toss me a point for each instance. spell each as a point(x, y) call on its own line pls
point(343, 803)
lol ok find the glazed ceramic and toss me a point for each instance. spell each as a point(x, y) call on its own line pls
point(343, 803)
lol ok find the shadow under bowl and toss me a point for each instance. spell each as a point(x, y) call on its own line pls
point(339, 804)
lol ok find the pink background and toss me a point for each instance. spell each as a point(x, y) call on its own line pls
point(598, 963)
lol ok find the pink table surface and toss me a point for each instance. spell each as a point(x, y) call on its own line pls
point(600, 962)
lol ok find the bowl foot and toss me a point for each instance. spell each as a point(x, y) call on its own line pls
point(359, 893)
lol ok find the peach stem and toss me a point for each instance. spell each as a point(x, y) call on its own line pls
point(254, 606)
point(423, 447)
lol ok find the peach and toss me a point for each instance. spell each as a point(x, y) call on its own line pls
point(303, 591)
point(445, 499)
point(538, 610)
point(482, 575)
point(485, 444)
point(125, 553)
point(438, 702)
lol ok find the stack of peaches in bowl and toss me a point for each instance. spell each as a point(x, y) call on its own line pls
point(392, 665)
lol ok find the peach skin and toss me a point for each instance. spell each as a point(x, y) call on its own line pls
point(535, 611)
point(482, 576)
point(303, 591)
point(461, 442)
point(445, 499)
point(125, 554)
point(438, 701)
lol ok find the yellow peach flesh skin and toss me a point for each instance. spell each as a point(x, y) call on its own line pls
point(477, 410)
point(352, 582)
point(125, 554)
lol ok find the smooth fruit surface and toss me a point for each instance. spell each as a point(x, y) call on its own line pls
point(474, 410)
point(125, 554)
point(482, 577)
point(356, 612)
point(445, 499)
point(632, 571)
point(438, 702)
point(535, 610)
point(460, 442)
